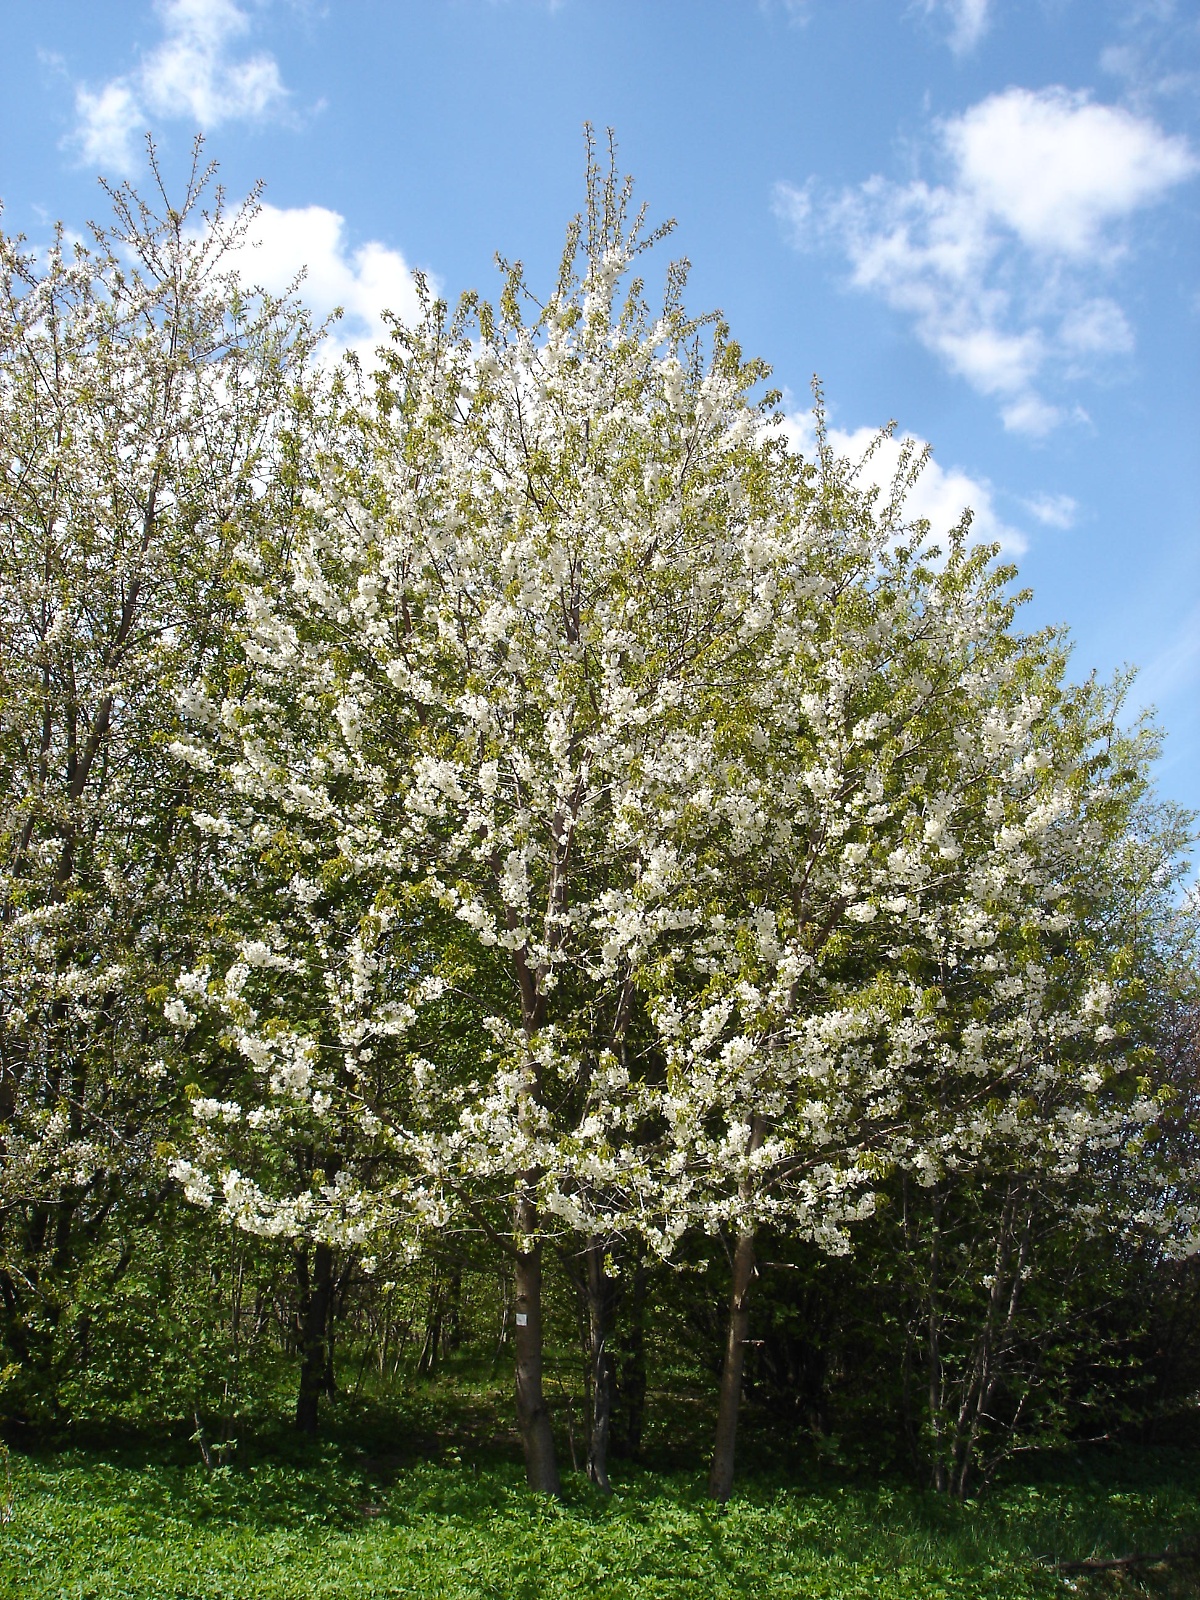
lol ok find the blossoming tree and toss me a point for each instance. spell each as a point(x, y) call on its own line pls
point(514, 613)
point(143, 399)
point(911, 981)
point(642, 830)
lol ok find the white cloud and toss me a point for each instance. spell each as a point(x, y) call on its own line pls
point(365, 281)
point(940, 494)
point(968, 21)
point(1053, 510)
point(1161, 53)
point(1096, 327)
point(1057, 169)
point(1030, 414)
point(107, 122)
point(192, 73)
point(996, 266)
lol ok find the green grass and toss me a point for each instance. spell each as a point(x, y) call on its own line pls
point(328, 1522)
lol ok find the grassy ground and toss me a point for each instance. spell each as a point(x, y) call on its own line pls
point(357, 1516)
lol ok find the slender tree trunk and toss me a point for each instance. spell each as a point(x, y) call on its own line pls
point(993, 1346)
point(505, 1286)
point(600, 1296)
point(720, 1479)
point(13, 1324)
point(316, 1294)
point(936, 1395)
point(632, 1386)
point(541, 1467)
point(911, 1426)
point(431, 1347)
point(452, 1331)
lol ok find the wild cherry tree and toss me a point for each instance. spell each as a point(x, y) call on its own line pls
point(651, 832)
point(910, 981)
point(527, 592)
point(144, 399)
point(1008, 1243)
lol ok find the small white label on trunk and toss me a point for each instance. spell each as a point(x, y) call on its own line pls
point(522, 1320)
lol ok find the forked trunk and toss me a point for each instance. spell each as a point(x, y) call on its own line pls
point(541, 1467)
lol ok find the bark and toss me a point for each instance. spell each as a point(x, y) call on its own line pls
point(431, 1347)
point(452, 1329)
point(933, 1339)
point(633, 1361)
point(314, 1315)
point(533, 1418)
point(601, 1294)
point(720, 1480)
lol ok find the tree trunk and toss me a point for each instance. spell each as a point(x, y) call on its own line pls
point(313, 1318)
point(936, 1387)
point(452, 1329)
point(505, 1286)
point(632, 1383)
point(720, 1479)
point(541, 1467)
point(431, 1347)
point(600, 1296)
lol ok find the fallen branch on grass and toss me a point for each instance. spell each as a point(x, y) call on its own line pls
point(1116, 1563)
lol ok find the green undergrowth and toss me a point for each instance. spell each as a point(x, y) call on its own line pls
point(364, 1514)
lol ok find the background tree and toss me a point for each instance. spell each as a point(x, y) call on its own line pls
point(145, 406)
point(901, 971)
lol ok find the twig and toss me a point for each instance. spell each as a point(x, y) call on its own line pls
point(1057, 1444)
point(198, 1438)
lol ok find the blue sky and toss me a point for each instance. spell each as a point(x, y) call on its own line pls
point(977, 217)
